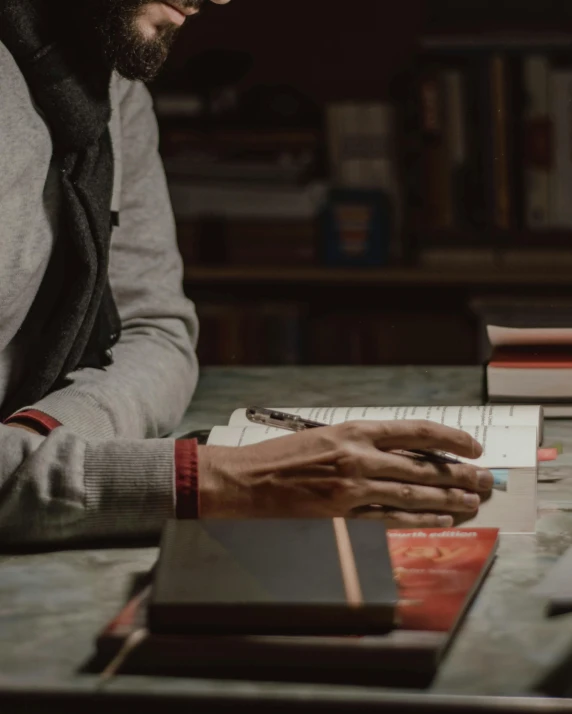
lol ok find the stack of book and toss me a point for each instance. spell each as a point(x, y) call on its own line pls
point(255, 189)
point(287, 613)
point(531, 366)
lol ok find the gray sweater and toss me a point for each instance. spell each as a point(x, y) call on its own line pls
point(107, 471)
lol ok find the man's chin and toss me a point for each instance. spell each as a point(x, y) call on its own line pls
point(142, 64)
point(126, 49)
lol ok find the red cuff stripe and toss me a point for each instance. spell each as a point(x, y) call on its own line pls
point(43, 423)
point(187, 478)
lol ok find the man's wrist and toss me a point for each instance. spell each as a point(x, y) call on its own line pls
point(225, 480)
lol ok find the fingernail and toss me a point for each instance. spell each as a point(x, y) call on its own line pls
point(485, 480)
point(471, 500)
point(445, 521)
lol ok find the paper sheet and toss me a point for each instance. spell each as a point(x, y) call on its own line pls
point(458, 417)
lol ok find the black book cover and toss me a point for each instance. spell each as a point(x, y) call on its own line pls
point(288, 577)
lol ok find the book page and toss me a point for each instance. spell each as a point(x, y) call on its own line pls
point(503, 447)
point(458, 417)
point(514, 508)
point(532, 336)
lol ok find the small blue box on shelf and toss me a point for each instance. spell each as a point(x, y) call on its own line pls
point(357, 228)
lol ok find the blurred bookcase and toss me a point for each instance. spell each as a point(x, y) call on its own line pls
point(461, 117)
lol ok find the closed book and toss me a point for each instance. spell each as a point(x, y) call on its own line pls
point(500, 127)
point(561, 179)
point(531, 363)
point(437, 190)
point(542, 374)
point(287, 577)
point(538, 140)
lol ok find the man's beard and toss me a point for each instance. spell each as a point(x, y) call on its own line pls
point(124, 47)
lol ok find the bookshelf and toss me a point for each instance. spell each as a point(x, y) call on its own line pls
point(423, 295)
point(538, 276)
point(524, 41)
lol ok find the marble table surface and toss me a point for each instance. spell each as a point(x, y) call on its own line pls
point(52, 605)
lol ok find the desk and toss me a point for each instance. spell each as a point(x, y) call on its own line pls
point(53, 605)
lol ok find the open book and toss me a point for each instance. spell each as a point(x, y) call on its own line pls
point(464, 418)
point(509, 449)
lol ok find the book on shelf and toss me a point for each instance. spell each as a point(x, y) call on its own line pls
point(509, 435)
point(495, 148)
point(275, 149)
point(438, 574)
point(249, 242)
point(250, 333)
point(239, 200)
point(538, 134)
point(560, 92)
point(531, 364)
point(437, 177)
point(387, 335)
point(242, 173)
point(363, 155)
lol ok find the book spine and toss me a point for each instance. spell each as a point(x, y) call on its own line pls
point(456, 134)
point(537, 143)
point(437, 186)
point(477, 102)
point(502, 208)
point(561, 189)
point(250, 334)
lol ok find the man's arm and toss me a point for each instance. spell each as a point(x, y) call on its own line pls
point(96, 476)
point(144, 393)
point(104, 472)
point(63, 488)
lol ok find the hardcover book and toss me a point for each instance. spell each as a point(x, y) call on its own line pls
point(288, 577)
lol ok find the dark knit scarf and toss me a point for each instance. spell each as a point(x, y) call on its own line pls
point(73, 98)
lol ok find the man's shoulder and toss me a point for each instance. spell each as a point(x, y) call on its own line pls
point(126, 93)
point(12, 83)
point(20, 123)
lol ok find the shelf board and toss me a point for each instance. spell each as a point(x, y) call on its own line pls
point(382, 277)
point(498, 41)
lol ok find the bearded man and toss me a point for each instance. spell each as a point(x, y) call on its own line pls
point(97, 340)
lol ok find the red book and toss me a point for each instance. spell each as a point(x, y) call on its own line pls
point(539, 358)
point(438, 572)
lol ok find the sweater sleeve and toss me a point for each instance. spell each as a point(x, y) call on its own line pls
point(105, 472)
point(146, 390)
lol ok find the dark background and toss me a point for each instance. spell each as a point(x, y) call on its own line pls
point(366, 50)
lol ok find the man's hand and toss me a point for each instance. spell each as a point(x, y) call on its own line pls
point(346, 470)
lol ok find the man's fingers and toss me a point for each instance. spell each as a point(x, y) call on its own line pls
point(403, 519)
point(412, 434)
point(411, 497)
point(394, 467)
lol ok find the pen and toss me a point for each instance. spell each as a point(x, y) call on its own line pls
point(294, 422)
